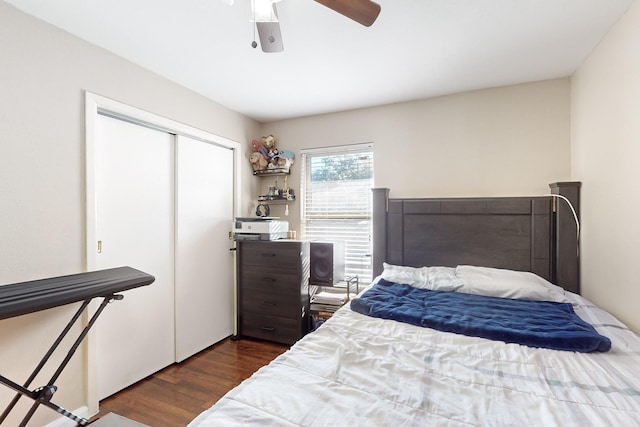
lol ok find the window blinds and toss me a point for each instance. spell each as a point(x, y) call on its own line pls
point(336, 203)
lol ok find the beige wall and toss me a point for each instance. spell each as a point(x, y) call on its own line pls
point(505, 141)
point(605, 140)
point(43, 75)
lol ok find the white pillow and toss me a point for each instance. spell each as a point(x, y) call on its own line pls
point(433, 278)
point(413, 276)
point(503, 283)
point(442, 279)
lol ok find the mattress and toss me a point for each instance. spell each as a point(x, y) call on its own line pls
point(356, 370)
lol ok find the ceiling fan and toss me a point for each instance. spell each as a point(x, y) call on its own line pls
point(265, 16)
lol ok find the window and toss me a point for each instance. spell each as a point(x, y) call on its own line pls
point(336, 202)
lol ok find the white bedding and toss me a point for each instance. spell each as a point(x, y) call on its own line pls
point(361, 371)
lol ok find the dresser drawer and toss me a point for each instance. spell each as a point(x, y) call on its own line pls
point(264, 302)
point(271, 255)
point(273, 289)
point(272, 280)
point(271, 328)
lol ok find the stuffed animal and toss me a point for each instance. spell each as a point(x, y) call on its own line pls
point(287, 155)
point(258, 162)
point(273, 155)
point(260, 149)
point(268, 141)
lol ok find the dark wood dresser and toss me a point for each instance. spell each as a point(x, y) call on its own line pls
point(273, 289)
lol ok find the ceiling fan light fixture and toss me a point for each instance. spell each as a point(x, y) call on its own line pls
point(264, 11)
point(265, 18)
point(270, 37)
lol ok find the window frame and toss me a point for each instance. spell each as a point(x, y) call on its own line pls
point(364, 268)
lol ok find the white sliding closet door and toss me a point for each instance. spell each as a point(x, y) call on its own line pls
point(135, 223)
point(204, 264)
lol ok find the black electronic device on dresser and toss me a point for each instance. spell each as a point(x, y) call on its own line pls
point(273, 289)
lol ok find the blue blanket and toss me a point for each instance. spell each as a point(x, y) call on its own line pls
point(532, 323)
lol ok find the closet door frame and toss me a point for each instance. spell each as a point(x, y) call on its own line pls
point(97, 104)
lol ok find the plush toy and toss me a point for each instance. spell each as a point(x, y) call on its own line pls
point(283, 160)
point(258, 162)
point(267, 156)
point(287, 155)
point(260, 149)
point(268, 141)
point(273, 155)
point(283, 163)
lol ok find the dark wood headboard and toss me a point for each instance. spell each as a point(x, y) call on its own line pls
point(519, 233)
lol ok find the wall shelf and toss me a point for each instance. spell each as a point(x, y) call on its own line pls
point(276, 199)
point(272, 172)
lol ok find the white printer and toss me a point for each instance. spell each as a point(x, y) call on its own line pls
point(260, 228)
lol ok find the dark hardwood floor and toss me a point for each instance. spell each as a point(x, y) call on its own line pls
point(177, 394)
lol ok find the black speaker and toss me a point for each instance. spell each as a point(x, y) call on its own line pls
point(327, 262)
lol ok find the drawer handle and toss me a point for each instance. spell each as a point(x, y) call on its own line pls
point(268, 329)
point(269, 255)
point(268, 279)
point(269, 303)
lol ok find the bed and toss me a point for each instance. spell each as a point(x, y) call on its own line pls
point(361, 370)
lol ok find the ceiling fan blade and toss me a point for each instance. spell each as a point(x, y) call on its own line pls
point(364, 12)
point(270, 36)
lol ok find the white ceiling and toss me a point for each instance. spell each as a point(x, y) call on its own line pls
point(416, 49)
